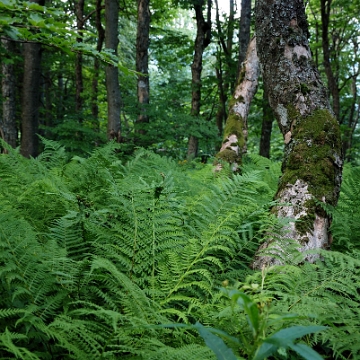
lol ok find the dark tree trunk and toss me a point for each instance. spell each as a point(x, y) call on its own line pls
point(30, 100)
point(95, 81)
point(267, 121)
point(8, 124)
point(60, 96)
point(312, 166)
point(112, 72)
point(142, 62)
point(224, 70)
point(202, 40)
point(31, 97)
point(48, 115)
point(244, 31)
point(332, 79)
point(221, 112)
point(79, 85)
point(235, 132)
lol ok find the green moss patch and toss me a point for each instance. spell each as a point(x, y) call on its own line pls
point(229, 156)
point(315, 145)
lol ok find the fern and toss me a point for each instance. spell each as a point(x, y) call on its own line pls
point(95, 252)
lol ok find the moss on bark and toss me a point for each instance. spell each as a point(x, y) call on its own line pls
point(312, 156)
point(234, 126)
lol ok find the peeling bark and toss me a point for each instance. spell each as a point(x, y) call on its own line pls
point(235, 132)
point(312, 166)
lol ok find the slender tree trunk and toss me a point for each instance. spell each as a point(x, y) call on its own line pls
point(95, 81)
point(8, 124)
point(225, 78)
point(312, 166)
point(79, 84)
point(30, 100)
point(229, 75)
point(31, 97)
point(244, 31)
point(235, 132)
point(60, 96)
point(142, 62)
point(268, 118)
point(112, 72)
point(48, 115)
point(332, 79)
point(201, 42)
point(221, 112)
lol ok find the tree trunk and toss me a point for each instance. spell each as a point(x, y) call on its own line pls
point(142, 62)
point(95, 81)
point(8, 124)
point(235, 132)
point(312, 166)
point(201, 42)
point(31, 97)
point(244, 31)
point(225, 79)
point(79, 85)
point(112, 73)
point(268, 118)
point(332, 79)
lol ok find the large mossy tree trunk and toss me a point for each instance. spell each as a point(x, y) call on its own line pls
point(112, 72)
point(235, 132)
point(312, 165)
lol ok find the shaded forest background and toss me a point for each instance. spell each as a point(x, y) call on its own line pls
point(71, 98)
point(115, 239)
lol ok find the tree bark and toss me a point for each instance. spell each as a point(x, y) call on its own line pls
point(31, 97)
point(266, 128)
point(312, 166)
point(235, 132)
point(79, 84)
point(332, 79)
point(8, 124)
point(244, 31)
point(112, 72)
point(202, 40)
point(142, 62)
point(95, 81)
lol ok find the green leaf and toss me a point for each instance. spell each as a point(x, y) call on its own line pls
point(264, 351)
point(216, 344)
point(306, 352)
point(284, 337)
point(249, 307)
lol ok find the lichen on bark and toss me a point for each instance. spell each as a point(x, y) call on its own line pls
point(235, 132)
point(312, 165)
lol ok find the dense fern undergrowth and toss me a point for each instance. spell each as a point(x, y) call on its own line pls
point(102, 259)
